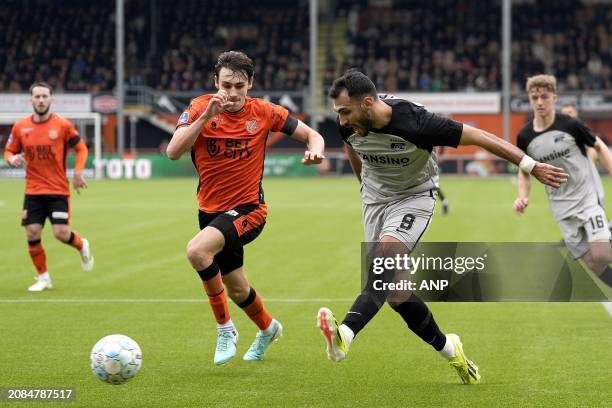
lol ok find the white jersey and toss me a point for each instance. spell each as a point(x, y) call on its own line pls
point(562, 144)
point(398, 159)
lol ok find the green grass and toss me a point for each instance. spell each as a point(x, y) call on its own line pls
point(540, 354)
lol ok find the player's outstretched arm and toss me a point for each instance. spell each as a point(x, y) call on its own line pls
point(603, 154)
point(78, 180)
point(524, 187)
point(184, 137)
point(314, 141)
point(545, 173)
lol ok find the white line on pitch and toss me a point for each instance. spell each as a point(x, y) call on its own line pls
point(186, 300)
point(608, 307)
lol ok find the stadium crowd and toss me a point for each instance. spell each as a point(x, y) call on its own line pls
point(439, 45)
point(443, 45)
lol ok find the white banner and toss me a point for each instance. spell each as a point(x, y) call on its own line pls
point(456, 103)
point(67, 103)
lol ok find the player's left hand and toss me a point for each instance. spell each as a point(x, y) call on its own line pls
point(549, 175)
point(312, 157)
point(78, 182)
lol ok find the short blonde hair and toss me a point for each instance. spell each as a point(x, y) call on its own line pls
point(548, 82)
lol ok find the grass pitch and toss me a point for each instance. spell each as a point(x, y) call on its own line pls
point(530, 354)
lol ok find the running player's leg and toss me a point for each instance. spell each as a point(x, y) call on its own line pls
point(241, 226)
point(33, 219)
point(338, 337)
point(201, 251)
point(389, 228)
point(405, 224)
point(599, 254)
point(59, 214)
point(38, 257)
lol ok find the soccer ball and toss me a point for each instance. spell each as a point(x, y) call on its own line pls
point(115, 359)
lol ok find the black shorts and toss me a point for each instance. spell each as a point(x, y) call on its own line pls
point(36, 209)
point(239, 226)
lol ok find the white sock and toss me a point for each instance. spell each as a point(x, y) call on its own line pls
point(348, 334)
point(448, 351)
point(44, 276)
point(227, 326)
point(268, 330)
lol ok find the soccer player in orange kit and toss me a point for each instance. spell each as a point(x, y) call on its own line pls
point(41, 142)
point(226, 133)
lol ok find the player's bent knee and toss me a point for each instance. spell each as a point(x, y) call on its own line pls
point(33, 235)
point(198, 256)
point(33, 232)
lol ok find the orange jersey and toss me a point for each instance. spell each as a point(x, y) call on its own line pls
point(45, 146)
point(229, 152)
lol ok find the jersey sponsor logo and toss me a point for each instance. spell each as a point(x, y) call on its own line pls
point(559, 138)
point(251, 126)
point(398, 146)
point(212, 147)
point(385, 159)
point(39, 152)
point(53, 134)
point(229, 148)
point(183, 118)
point(554, 155)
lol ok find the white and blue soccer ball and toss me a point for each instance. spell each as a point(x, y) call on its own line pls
point(116, 359)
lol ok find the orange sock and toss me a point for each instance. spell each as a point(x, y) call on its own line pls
point(216, 295)
point(253, 306)
point(39, 258)
point(75, 240)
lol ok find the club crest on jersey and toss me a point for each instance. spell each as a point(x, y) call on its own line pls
point(251, 126)
point(53, 134)
point(183, 118)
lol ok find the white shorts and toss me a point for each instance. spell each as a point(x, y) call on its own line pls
point(578, 230)
point(406, 219)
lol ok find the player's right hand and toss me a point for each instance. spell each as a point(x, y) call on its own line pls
point(519, 205)
point(549, 175)
point(16, 160)
point(219, 102)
